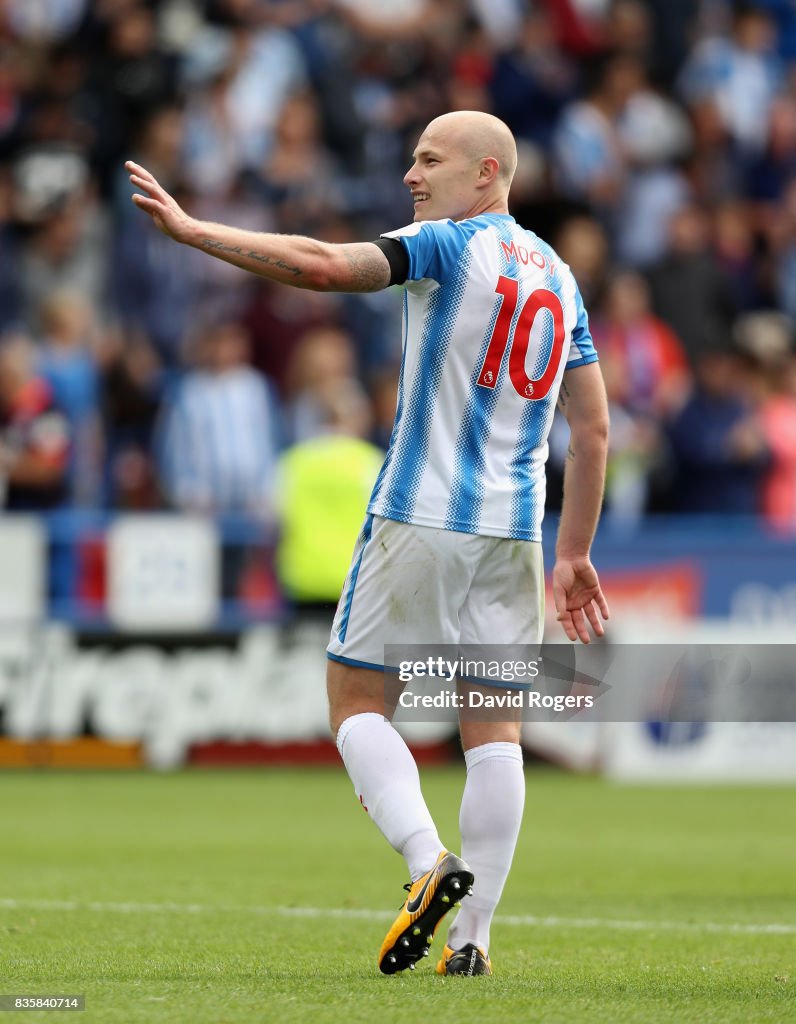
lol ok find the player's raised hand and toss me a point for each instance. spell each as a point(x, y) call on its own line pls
point(164, 210)
point(579, 598)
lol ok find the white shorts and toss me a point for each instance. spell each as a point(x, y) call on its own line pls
point(421, 585)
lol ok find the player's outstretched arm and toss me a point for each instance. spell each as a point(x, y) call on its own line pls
point(289, 259)
point(577, 593)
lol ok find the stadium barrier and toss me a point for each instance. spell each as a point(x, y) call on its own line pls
point(164, 640)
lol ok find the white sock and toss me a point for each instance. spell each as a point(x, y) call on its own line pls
point(387, 783)
point(489, 820)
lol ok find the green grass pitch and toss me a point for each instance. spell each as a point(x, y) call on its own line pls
point(264, 896)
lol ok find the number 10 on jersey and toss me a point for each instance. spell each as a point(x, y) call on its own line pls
point(532, 389)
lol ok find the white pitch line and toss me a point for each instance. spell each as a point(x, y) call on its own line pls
point(511, 920)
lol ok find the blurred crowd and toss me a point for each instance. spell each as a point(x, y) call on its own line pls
point(657, 143)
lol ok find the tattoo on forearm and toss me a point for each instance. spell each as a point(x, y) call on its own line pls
point(213, 245)
point(570, 452)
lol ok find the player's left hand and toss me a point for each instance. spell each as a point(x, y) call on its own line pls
point(579, 598)
point(164, 209)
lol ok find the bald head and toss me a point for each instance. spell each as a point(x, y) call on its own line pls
point(479, 136)
point(464, 163)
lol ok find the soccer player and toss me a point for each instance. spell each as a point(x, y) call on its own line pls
point(495, 334)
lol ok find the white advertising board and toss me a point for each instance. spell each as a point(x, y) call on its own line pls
point(703, 751)
point(23, 556)
point(163, 573)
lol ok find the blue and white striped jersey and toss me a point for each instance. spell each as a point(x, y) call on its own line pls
point(492, 318)
point(216, 442)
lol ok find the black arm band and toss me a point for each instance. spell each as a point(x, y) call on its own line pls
point(397, 257)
